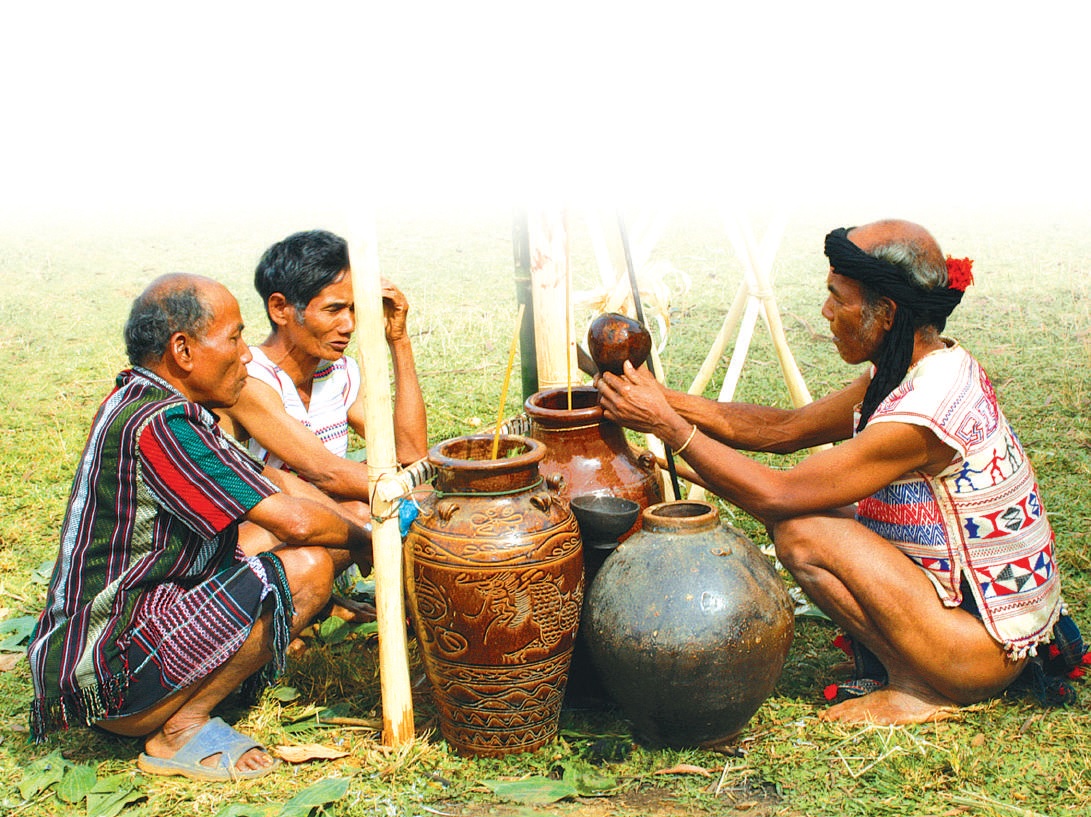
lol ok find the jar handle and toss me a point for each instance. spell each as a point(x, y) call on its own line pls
point(555, 482)
point(542, 501)
point(445, 509)
point(646, 460)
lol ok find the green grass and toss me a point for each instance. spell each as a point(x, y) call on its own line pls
point(64, 294)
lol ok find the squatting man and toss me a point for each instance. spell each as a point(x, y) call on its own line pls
point(185, 565)
point(922, 534)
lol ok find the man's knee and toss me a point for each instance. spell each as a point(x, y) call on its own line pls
point(794, 541)
point(310, 572)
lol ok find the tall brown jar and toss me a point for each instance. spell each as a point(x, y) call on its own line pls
point(494, 567)
point(588, 451)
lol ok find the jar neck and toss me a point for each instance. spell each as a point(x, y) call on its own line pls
point(684, 516)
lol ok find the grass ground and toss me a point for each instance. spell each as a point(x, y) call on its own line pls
point(64, 293)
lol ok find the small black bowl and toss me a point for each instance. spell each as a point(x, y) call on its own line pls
point(603, 518)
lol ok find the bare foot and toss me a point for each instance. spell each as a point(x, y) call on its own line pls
point(164, 745)
point(888, 706)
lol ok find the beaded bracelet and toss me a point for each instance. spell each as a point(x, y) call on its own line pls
point(689, 439)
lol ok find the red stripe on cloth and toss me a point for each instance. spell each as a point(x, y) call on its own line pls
point(181, 484)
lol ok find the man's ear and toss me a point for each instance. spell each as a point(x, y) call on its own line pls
point(887, 308)
point(279, 308)
point(180, 350)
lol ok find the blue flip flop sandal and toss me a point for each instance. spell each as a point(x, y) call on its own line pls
point(215, 737)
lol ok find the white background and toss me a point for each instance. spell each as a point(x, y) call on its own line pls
point(130, 109)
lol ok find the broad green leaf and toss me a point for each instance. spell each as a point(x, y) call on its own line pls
point(76, 783)
point(42, 573)
point(285, 694)
point(366, 628)
point(42, 773)
point(589, 782)
point(312, 718)
point(333, 630)
point(532, 791)
point(315, 796)
point(18, 631)
point(110, 795)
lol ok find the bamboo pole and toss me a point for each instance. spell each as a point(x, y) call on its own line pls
point(758, 261)
point(719, 346)
point(382, 461)
point(528, 357)
point(507, 381)
point(554, 345)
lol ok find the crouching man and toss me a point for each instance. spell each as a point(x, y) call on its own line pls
point(155, 612)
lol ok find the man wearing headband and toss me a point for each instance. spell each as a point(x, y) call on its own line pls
point(923, 533)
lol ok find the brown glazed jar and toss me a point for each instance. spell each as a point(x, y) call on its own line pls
point(494, 569)
point(688, 625)
point(588, 451)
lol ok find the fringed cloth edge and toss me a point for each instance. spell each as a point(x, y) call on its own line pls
point(95, 702)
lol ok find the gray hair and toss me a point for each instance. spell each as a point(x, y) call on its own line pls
point(170, 304)
point(920, 265)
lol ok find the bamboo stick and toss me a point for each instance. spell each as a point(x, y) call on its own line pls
point(528, 357)
point(507, 380)
point(548, 272)
point(382, 461)
point(719, 345)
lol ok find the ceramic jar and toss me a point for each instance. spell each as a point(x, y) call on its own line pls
point(494, 572)
point(689, 626)
point(590, 453)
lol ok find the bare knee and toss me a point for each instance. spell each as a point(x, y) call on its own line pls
point(310, 572)
point(358, 510)
point(794, 542)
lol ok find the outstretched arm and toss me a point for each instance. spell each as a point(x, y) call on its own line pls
point(296, 520)
point(260, 412)
point(825, 481)
point(751, 427)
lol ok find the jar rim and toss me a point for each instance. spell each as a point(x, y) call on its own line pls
point(680, 515)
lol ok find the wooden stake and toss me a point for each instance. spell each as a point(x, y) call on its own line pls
point(382, 461)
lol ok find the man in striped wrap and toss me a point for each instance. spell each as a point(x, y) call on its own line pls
point(923, 534)
point(155, 611)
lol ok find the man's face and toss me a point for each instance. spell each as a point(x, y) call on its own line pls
point(220, 357)
point(325, 327)
point(857, 333)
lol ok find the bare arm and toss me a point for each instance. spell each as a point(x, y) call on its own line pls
point(260, 412)
point(296, 520)
point(410, 419)
point(764, 428)
point(824, 481)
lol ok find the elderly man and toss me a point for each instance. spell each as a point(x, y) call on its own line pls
point(154, 613)
point(303, 394)
point(923, 535)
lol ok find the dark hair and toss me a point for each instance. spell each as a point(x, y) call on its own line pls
point(159, 312)
point(300, 266)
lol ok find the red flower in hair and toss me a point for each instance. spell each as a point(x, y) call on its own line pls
point(958, 273)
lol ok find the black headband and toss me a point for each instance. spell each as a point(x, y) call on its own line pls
point(885, 278)
point(915, 307)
